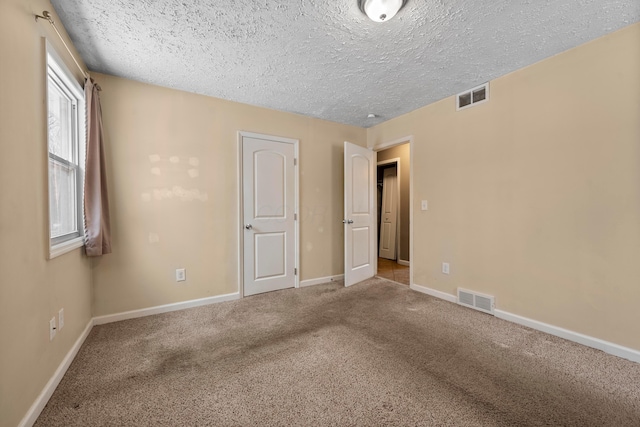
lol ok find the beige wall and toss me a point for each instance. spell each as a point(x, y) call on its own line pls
point(32, 289)
point(534, 196)
point(153, 237)
point(403, 153)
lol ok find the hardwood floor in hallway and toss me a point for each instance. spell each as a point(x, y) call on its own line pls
point(389, 269)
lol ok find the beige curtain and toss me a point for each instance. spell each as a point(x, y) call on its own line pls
point(96, 202)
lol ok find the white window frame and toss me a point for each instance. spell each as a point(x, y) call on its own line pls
point(57, 73)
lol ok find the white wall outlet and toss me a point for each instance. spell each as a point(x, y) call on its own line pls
point(425, 205)
point(61, 318)
point(445, 268)
point(181, 274)
point(52, 328)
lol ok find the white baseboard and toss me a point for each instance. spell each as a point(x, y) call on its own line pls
point(597, 343)
point(133, 314)
point(41, 401)
point(404, 262)
point(320, 280)
point(438, 294)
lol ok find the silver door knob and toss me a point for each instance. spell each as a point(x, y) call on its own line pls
point(248, 226)
point(347, 221)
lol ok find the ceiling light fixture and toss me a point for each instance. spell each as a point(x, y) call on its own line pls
point(381, 10)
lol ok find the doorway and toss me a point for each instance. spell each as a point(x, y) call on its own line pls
point(393, 212)
point(388, 191)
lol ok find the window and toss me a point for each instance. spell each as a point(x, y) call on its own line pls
point(472, 97)
point(66, 145)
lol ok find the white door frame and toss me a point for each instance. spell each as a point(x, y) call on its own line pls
point(240, 223)
point(395, 160)
point(384, 146)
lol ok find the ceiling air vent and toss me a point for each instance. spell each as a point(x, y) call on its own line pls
point(473, 97)
point(485, 303)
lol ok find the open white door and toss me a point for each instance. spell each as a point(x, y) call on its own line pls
point(359, 214)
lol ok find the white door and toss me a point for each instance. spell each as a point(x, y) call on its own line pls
point(359, 214)
point(268, 194)
point(389, 214)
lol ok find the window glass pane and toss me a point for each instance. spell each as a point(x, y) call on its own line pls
point(60, 122)
point(65, 126)
point(62, 199)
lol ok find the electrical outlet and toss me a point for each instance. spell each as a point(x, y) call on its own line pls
point(181, 274)
point(445, 268)
point(61, 318)
point(52, 328)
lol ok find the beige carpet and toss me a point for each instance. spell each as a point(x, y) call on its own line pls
point(371, 355)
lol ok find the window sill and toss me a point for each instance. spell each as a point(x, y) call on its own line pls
point(64, 247)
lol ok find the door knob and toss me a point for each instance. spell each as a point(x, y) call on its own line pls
point(347, 221)
point(248, 226)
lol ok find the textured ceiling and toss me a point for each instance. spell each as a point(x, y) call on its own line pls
point(324, 58)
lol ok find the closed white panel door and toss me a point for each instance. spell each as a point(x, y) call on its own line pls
point(268, 215)
point(389, 214)
point(359, 214)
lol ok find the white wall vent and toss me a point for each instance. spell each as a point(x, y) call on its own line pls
point(485, 303)
point(472, 97)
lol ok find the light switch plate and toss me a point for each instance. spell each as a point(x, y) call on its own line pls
point(181, 274)
point(61, 318)
point(445, 268)
point(425, 205)
point(52, 328)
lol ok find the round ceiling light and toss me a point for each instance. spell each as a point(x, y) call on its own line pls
point(381, 10)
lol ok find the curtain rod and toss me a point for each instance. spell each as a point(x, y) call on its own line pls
point(47, 16)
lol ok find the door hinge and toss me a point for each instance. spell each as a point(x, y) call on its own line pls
point(295, 162)
point(295, 271)
point(295, 216)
